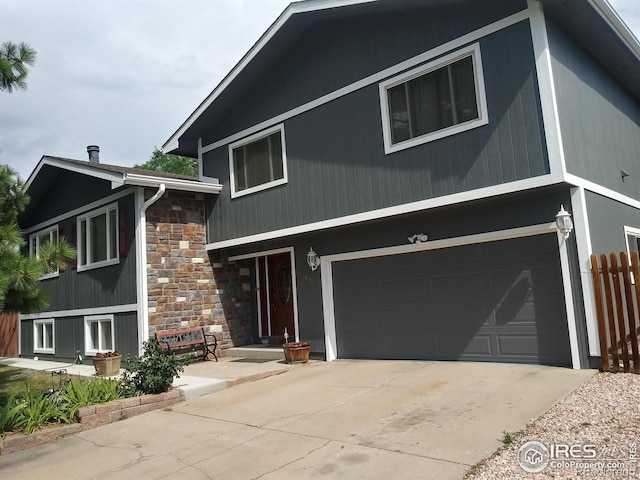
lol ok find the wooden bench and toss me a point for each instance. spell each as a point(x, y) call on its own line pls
point(188, 339)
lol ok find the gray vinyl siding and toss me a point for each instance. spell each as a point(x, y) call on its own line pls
point(599, 119)
point(66, 191)
point(337, 165)
point(98, 287)
point(69, 337)
point(340, 49)
point(448, 222)
point(607, 219)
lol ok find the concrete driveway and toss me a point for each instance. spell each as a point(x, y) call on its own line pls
point(344, 419)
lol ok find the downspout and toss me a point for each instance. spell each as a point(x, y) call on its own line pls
point(141, 265)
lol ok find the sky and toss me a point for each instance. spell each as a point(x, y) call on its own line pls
point(125, 74)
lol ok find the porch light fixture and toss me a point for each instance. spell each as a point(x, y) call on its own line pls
point(312, 260)
point(564, 222)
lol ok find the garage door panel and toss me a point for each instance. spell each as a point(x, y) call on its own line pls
point(459, 284)
point(499, 301)
point(452, 345)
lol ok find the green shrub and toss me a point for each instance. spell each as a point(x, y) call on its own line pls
point(80, 394)
point(154, 371)
point(40, 410)
point(11, 417)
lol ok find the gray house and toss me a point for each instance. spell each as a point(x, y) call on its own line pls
point(141, 261)
point(391, 172)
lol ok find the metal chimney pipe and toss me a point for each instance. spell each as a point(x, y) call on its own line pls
point(94, 153)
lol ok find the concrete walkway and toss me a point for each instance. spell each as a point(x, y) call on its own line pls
point(344, 419)
point(199, 378)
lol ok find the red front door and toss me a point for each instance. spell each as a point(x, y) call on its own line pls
point(280, 299)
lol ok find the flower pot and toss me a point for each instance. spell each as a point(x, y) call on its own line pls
point(296, 352)
point(107, 366)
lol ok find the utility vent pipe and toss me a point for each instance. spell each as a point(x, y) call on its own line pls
point(94, 153)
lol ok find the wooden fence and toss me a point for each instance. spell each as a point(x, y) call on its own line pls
point(8, 334)
point(617, 291)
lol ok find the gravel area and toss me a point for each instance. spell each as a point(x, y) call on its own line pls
point(600, 420)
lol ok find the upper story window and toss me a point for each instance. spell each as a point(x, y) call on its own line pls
point(441, 98)
point(38, 240)
point(98, 238)
point(258, 162)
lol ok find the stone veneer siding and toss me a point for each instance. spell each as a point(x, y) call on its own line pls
point(185, 289)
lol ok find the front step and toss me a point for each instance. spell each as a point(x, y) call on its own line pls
point(261, 352)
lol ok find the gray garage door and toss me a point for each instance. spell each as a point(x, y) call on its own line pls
point(500, 301)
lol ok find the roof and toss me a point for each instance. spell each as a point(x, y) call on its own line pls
point(592, 23)
point(120, 176)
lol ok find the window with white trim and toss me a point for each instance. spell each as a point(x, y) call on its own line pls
point(98, 238)
point(43, 336)
point(633, 240)
point(98, 334)
point(441, 98)
point(41, 238)
point(258, 162)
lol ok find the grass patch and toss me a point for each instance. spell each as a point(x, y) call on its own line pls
point(15, 381)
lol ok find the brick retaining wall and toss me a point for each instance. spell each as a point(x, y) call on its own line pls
point(91, 417)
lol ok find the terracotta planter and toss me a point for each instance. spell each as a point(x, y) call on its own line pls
point(107, 366)
point(296, 352)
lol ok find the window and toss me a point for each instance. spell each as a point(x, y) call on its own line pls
point(633, 240)
point(38, 239)
point(98, 238)
point(98, 334)
point(43, 335)
point(258, 162)
point(436, 100)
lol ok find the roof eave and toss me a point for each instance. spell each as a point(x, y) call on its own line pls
point(606, 11)
point(170, 183)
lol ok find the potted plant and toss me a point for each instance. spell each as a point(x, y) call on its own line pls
point(296, 352)
point(107, 364)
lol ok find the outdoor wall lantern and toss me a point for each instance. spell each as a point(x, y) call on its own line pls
point(312, 260)
point(564, 222)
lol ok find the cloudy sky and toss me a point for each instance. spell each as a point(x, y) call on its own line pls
point(124, 74)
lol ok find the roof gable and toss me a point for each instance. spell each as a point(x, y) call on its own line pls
point(617, 48)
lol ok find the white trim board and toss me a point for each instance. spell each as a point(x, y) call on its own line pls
point(81, 312)
point(375, 78)
point(486, 192)
point(547, 90)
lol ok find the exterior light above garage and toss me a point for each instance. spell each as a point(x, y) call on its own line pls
point(564, 222)
point(312, 260)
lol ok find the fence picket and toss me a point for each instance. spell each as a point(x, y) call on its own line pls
point(634, 322)
point(630, 313)
point(597, 284)
point(610, 315)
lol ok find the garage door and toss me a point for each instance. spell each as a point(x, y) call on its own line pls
point(500, 301)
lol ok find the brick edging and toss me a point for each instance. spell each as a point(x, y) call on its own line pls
point(91, 417)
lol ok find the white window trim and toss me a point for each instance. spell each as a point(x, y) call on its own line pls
point(43, 321)
point(88, 350)
point(37, 235)
point(627, 232)
point(483, 117)
point(95, 213)
point(250, 139)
